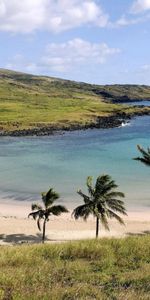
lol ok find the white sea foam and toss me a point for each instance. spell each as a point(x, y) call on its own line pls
point(123, 124)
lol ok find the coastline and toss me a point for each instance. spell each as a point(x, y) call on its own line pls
point(17, 228)
point(106, 122)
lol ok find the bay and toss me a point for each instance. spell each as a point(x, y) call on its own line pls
point(31, 165)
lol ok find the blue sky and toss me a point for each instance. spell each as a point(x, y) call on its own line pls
point(97, 41)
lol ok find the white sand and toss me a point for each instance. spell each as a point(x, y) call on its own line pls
point(15, 227)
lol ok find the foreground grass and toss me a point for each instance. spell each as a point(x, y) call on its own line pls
point(28, 101)
point(102, 269)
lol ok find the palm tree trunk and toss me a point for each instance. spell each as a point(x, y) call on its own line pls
point(97, 227)
point(44, 225)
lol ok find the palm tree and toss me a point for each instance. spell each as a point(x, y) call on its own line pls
point(145, 159)
point(102, 202)
point(40, 213)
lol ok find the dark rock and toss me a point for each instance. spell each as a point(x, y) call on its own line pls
point(101, 123)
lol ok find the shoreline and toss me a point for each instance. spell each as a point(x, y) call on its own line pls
point(17, 228)
point(107, 122)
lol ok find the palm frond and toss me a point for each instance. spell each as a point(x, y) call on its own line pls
point(38, 223)
point(101, 181)
point(82, 211)
point(104, 184)
point(109, 186)
point(100, 207)
point(36, 206)
point(112, 214)
point(117, 207)
point(39, 213)
point(49, 197)
point(115, 194)
point(57, 210)
point(114, 202)
point(34, 214)
point(89, 185)
point(104, 221)
point(85, 197)
point(145, 155)
point(102, 201)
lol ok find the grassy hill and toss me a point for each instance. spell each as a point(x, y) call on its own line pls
point(105, 269)
point(28, 101)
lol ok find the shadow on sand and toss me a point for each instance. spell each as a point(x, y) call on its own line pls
point(20, 238)
point(142, 233)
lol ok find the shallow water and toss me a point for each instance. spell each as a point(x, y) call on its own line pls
point(29, 166)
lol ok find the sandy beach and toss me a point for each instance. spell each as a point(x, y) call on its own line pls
point(17, 228)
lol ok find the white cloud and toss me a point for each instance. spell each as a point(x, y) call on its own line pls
point(25, 16)
point(76, 53)
point(140, 6)
point(21, 16)
point(126, 21)
point(132, 16)
point(65, 58)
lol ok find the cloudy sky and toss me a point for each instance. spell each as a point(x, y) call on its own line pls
point(97, 41)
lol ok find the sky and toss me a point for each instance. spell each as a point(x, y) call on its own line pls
point(96, 41)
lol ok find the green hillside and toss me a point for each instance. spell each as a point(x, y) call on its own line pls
point(28, 101)
point(105, 269)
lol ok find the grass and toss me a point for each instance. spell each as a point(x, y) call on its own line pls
point(93, 269)
point(28, 101)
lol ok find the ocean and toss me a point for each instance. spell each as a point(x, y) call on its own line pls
point(31, 165)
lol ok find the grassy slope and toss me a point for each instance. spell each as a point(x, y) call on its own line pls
point(102, 269)
point(28, 101)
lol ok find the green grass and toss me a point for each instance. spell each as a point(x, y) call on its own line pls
point(28, 101)
point(102, 269)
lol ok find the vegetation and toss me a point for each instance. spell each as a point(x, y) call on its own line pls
point(145, 158)
point(102, 202)
point(104, 269)
point(49, 209)
point(28, 102)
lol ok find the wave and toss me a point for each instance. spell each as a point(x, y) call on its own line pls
point(123, 124)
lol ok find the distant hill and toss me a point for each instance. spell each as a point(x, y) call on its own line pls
point(47, 84)
point(28, 101)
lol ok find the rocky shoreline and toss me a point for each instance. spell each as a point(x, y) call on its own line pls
point(100, 123)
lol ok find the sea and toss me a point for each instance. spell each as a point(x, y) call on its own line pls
point(31, 165)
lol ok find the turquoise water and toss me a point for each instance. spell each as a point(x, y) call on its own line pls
point(29, 166)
